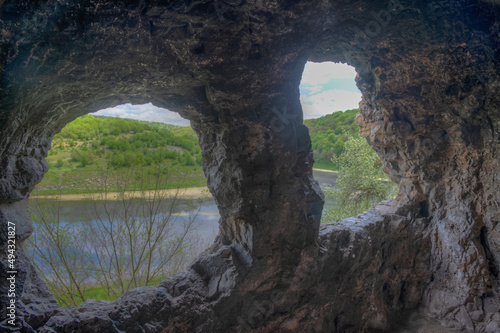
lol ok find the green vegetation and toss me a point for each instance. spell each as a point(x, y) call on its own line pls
point(136, 240)
point(92, 143)
point(360, 184)
point(329, 135)
point(128, 243)
point(98, 293)
point(89, 144)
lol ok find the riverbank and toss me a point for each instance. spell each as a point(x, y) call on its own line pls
point(323, 176)
point(188, 193)
point(325, 170)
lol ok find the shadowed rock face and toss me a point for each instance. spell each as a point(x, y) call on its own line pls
point(429, 75)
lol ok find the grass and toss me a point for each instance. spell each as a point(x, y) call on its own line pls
point(72, 178)
point(97, 293)
point(325, 165)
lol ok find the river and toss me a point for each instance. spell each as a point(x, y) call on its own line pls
point(73, 208)
point(85, 222)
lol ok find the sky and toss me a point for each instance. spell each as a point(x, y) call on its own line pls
point(325, 88)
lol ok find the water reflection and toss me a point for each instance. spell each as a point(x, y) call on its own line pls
point(74, 238)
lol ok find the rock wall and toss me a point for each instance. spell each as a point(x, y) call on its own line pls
point(429, 76)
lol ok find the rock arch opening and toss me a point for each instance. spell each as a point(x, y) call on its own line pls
point(327, 88)
point(346, 167)
point(124, 204)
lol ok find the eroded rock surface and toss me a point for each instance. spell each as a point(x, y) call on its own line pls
point(429, 75)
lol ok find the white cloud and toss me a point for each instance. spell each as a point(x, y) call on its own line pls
point(147, 112)
point(328, 87)
point(321, 73)
point(328, 101)
point(310, 89)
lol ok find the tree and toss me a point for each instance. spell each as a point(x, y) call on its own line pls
point(360, 183)
point(85, 159)
point(76, 156)
point(188, 159)
point(338, 147)
point(53, 248)
point(328, 130)
point(125, 241)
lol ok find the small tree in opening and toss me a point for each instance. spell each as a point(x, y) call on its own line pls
point(361, 182)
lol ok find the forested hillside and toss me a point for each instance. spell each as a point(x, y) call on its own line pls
point(329, 134)
point(89, 145)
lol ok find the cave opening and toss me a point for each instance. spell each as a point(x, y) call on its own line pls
point(330, 103)
point(124, 204)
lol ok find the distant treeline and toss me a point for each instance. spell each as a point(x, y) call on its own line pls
point(125, 142)
point(329, 133)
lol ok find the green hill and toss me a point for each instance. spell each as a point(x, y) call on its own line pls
point(90, 144)
point(329, 133)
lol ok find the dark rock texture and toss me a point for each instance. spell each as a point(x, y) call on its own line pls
point(429, 74)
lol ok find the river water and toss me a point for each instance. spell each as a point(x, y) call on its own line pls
point(85, 224)
point(204, 211)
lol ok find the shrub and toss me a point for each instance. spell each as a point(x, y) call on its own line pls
point(360, 183)
point(76, 156)
point(122, 244)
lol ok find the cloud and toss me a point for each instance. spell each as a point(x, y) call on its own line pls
point(329, 101)
point(321, 73)
point(328, 87)
point(147, 112)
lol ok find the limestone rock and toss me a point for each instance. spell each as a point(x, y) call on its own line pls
point(429, 74)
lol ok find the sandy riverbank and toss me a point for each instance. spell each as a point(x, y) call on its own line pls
point(182, 193)
point(325, 170)
point(188, 193)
